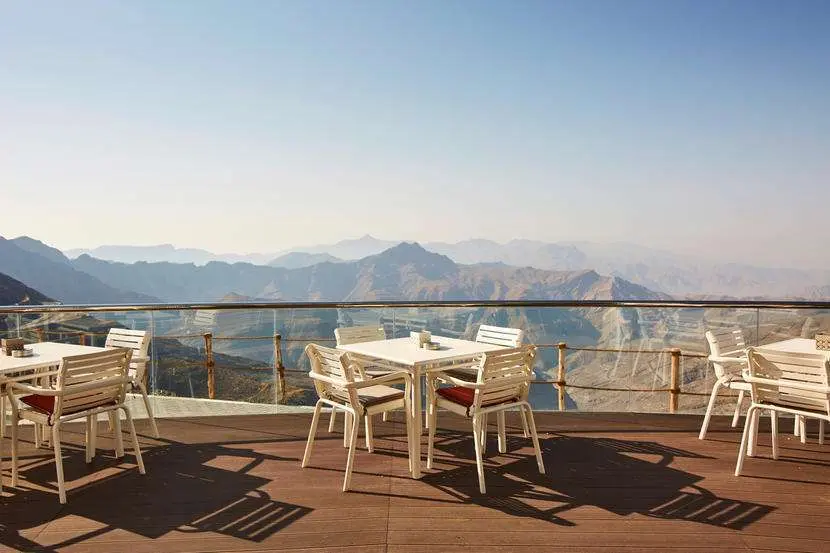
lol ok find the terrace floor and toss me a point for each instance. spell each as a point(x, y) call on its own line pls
point(615, 482)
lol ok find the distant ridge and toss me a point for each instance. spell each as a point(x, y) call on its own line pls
point(14, 292)
point(45, 269)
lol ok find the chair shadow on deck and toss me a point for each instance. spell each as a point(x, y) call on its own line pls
point(183, 491)
point(620, 476)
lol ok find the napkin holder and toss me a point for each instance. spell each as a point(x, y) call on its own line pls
point(8, 345)
point(419, 339)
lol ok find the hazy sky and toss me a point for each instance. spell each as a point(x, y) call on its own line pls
point(257, 126)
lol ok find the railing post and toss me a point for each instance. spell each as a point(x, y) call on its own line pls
point(279, 371)
point(211, 377)
point(674, 390)
point(82, 338)
point(40, 334)
point(560, 379)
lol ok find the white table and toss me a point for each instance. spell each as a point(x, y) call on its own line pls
point(402, 352)
point(796, 345)
point(45, 355)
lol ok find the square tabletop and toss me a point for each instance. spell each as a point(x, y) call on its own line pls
point(796, 345)
point(403, 351)
point(44, 354)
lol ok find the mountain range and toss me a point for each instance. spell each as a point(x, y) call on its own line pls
point(659, 270)
point(51, 273)
point(405, 271)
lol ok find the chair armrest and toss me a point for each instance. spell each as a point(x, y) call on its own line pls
point(94, 385)
point(387, 378)
point(392, 377)
point(794, 385)
point(727, 360)
point(18, 386)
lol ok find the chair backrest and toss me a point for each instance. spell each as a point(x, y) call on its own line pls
point(788, 379)
point(505, 374)
point(356, 334)
point(726, 342)
point(135, 340)
point(91, 380)
point(337, 367)
point(204, 318)
point(499, 336)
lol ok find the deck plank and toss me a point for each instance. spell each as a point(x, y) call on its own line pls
point(614, 482)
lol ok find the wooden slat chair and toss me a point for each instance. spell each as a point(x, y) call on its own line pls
point(782, 382)
point(497, 336)
point(86, 386)
point(726, 353)
point(337, 381)
point(502, 382)
point(354, 335)
point(139, 343)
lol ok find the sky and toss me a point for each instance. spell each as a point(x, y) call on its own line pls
point(253, 126)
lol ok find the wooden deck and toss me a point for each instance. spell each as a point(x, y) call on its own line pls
point(615, 482)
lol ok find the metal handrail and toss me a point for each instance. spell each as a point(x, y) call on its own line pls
point(657, 304)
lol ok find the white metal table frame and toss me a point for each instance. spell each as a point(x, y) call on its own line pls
point(404, 353)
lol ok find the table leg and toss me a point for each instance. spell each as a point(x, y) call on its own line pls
point(418, 426)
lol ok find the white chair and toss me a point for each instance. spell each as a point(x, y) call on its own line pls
point(497, 336)
point(86, 386)
point(354, 335)
point(782, 382)
point(726, 353)
point(337, 381)
point(138, 342)
point(502, 382)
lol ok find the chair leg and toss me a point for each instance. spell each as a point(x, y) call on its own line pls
point(136, 447)
point(773, 416)
point(332, 419)
point(384, 416)
point(753, 433)
point(38, 430)
point(88, 439)
point(2, 413)
point(708, 416)
point(119, 439)
point(477, 433)
point(821, 432)
point(347, 480)
point(149, 409)
point(56, 445)
point(93, 437)
point(525, 429)
point(370, 442)
point(535, 437)
point(502, 432)
point(15, 434)
point(347, 428)
point(802, 423)
point(796, 426)
point(750, 414)
point(737, 414)
point(312, 432)
point(483, 433)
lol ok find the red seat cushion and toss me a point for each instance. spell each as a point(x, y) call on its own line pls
point(44, 404)
point(458, 394)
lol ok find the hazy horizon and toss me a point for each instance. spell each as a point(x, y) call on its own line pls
point(263, 127)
